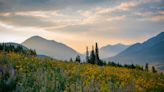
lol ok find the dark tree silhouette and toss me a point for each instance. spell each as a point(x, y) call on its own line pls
point(87, 55)
point(71, 60)
point(78, 59)
point(147, 67)
point(153, 69)
point(97, 54)
point(92, 56)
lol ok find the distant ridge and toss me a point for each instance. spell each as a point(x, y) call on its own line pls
point(151, 51)
point(112, 50)
point(50, 48)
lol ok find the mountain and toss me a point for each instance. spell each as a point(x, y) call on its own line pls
point(50, 48)
point(151, 51)
point(112, 50)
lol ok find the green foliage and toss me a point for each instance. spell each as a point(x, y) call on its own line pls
point(7, 76)
point(132, 66)
point(97, 59)
point(16, 49)
point(32, 74)
point(94, 56)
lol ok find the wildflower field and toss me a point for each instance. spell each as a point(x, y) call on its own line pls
point(19, 73)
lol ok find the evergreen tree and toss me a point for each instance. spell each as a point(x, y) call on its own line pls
point(78, 59)
point(0, 47)
point(71, 60)
point(87, 55)
point(3, 45)
point(132, 66)
point(139, 67)
point(147, 67)
point(97, 60)
point(34, 52)
point(153, 69)
point(92, 56)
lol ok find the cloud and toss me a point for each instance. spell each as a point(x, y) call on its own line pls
point(67, 16)
point(48, 5)
point(33, 14)
point(16, 28)
point(38, 14)
point(37, 5)
point(5, 14)
point(59, 19)
point(157, 18)
point(125, 6)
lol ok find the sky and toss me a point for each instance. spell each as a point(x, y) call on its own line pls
point(81, 23)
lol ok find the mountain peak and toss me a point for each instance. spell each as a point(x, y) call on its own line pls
point(119, 44)
point(36, 37)
point(111, 50)
point(50, 48)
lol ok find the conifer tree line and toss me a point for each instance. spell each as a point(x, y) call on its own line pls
point(153, 69)
point(17, 49)
point(93, 58)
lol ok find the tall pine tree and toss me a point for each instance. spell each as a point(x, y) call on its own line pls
point(78, 59)
point(87, 55)
point(153, 69)
point(147, 67)
point(92, 56)
point(97, 54)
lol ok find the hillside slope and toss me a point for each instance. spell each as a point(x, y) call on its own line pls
point(150, 51)
point(50, 48)
point(112, 50)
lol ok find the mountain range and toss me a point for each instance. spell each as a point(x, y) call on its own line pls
point(112, 50)
point(150, 51)
point(50, 48)
point(61, 51)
